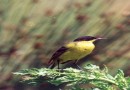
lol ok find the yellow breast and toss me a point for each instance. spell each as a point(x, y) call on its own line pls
point(77, 50)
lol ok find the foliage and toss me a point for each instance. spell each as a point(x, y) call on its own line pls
point(91, 75)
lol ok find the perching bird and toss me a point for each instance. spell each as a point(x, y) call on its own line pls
point(75, 50)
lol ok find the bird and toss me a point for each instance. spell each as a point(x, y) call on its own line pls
point(73, 51)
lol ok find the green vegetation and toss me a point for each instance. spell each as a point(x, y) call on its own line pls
point(91, 75)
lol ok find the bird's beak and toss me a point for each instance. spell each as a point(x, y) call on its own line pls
point(100, 38)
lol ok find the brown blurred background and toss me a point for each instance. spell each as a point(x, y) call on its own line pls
point(31, 30)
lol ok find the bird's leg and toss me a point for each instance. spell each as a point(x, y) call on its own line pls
point(76, 61)
point(58, 62)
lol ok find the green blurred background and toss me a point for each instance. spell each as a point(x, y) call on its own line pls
point(31, 30)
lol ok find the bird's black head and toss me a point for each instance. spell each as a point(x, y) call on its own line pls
point(87, 38)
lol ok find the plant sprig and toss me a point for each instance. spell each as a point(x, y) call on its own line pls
point(91, 74)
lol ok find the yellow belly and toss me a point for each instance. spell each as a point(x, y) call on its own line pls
point(77, 50)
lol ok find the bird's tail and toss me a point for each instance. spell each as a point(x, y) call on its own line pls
point(51, 66)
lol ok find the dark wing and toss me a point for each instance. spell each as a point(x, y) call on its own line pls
point(57, 54)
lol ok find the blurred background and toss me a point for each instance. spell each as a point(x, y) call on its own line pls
point(32, 30)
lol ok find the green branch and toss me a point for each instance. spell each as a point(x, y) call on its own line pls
point(91, 74)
